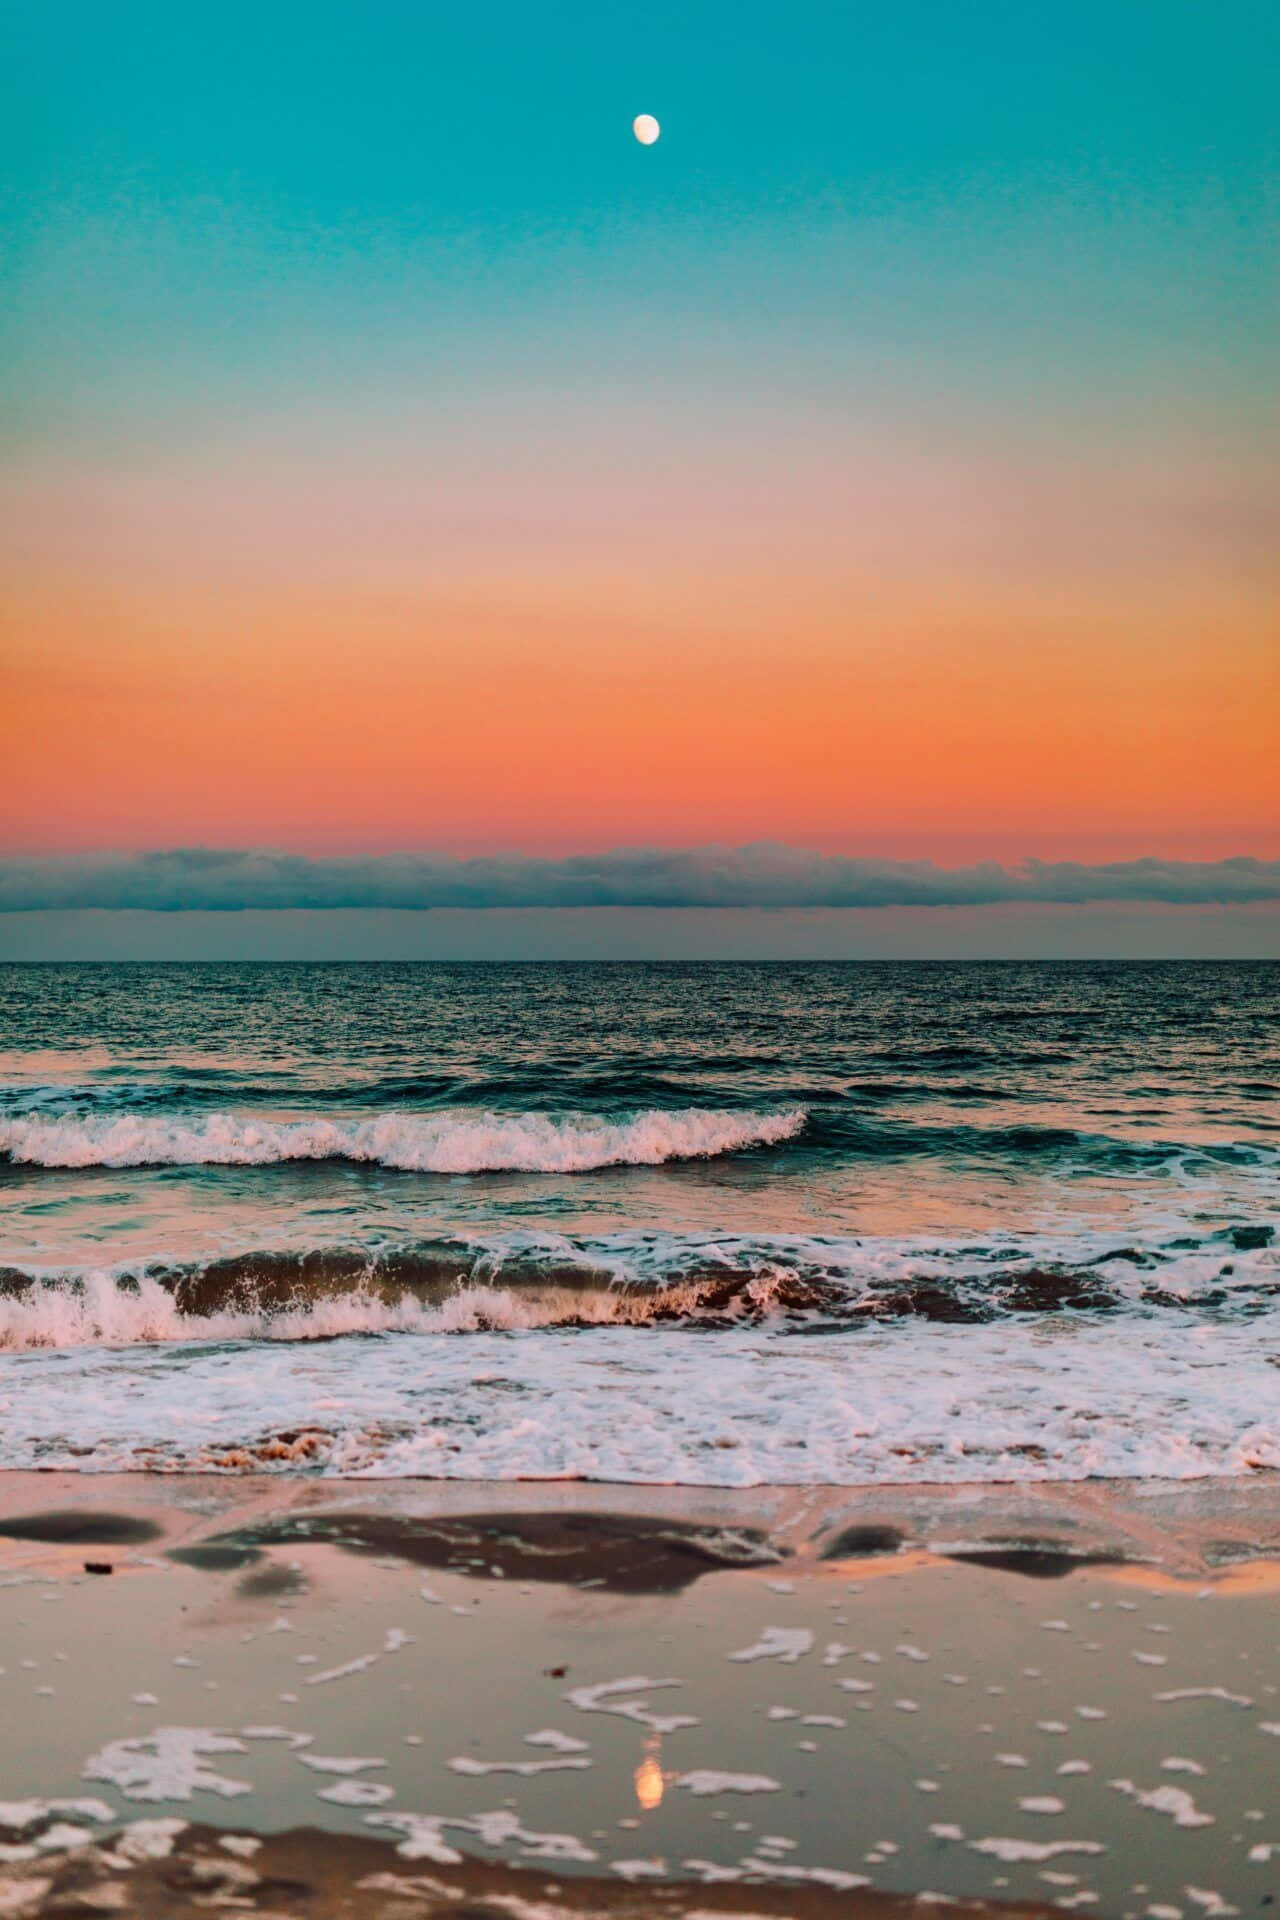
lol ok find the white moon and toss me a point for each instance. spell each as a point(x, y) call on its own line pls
point(645, 129)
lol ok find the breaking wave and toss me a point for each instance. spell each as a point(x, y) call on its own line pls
point(514, 1282)
point(461, 1141)
point(99, 1311)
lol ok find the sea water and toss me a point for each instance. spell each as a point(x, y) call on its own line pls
point(707, 1224)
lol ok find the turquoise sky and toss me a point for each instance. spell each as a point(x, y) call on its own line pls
point(1011, 205)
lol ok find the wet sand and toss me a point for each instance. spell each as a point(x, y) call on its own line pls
point(531, 1700)
point(330, 1876)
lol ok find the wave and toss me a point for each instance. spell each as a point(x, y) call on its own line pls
point(1125, 1396)
point(474, 1139)
point(795, 1284)
point(461, 1141)
point(98, 1312)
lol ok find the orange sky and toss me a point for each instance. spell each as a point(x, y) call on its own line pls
point(863, 720)
point(566, 623)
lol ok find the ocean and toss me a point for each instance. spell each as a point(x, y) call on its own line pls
point(714, 1225)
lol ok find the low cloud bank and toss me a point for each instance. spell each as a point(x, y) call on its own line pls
point(762, 875)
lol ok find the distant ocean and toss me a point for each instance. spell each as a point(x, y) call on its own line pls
point(718, 1225)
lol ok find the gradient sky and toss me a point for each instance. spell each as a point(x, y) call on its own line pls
point(396, 455)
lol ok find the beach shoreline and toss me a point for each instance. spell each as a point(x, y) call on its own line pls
point(660, 1700)
point(1179, 1530)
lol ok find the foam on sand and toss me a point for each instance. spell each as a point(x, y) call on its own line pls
point(1013, 1852)
point(1176, 1802)
point(168, 1764)
point(706, 1780)
point(423, 1837)
point(526, 1769)
point(628, 1698)
point(787, 1644)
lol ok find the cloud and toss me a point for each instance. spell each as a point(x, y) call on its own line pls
point(761, 875)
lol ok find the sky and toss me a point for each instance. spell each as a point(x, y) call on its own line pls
point(398, 459)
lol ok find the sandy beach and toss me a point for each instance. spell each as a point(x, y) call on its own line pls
point(296, 1697)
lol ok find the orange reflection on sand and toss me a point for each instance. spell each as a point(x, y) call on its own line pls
point(650, 1780)
point(1257, 1576)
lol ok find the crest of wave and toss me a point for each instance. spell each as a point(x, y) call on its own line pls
point(95, 1312)
point(461, 1141)
point(98, 1312)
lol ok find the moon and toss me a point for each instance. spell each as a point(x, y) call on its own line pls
point(645, 129)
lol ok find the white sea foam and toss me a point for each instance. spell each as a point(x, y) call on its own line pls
point(1014, 1852)
point(1206, 1693)
point(628, 1698)
point(834, 1877)
point(526, 1769)
point(707, 1780)
point(461, 1141)
point(1019, 1399)
point(1174, 1801)
point(339, 1763)
point(149, 1839)
point(167, 1764)
point(18, 1815)
point(357, 1793)
point(423, 1837)
point(777, 1643)
point(559, 1742)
